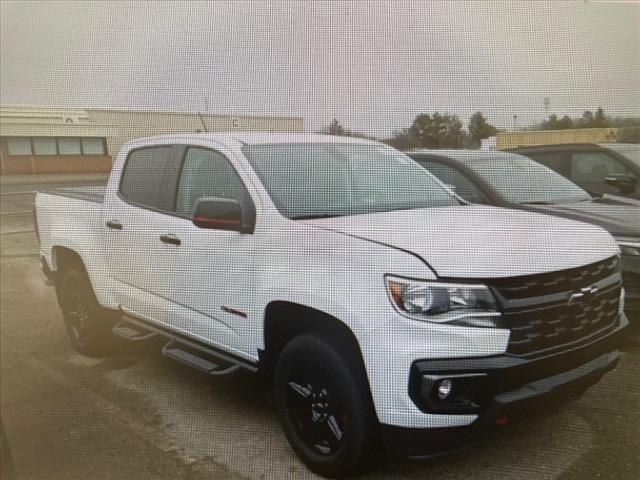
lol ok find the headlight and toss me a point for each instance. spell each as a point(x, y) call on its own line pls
point(629, 246)
point(454, 303)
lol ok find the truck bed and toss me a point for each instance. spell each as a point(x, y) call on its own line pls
point(89, 193)
point(71, 218)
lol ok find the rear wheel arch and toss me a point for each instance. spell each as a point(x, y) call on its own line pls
point(64, 259)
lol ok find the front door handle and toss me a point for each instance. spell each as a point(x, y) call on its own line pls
point(114, 225)
point(170, 239)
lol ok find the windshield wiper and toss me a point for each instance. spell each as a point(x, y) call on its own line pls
point(314, 215)
point(595, 196)
point(537, 202)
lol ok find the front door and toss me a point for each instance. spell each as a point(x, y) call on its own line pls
point(208, 275)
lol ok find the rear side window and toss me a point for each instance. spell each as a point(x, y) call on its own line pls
point(143, 177)
point(555, 161)
point(455, 179)
point(207, 173)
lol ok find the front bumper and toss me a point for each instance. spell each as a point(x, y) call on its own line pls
point(503, 389)
point(631, 283)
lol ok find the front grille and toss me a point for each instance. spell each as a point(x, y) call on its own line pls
point(538, 311)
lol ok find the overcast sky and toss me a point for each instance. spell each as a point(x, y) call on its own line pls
point(373, 65)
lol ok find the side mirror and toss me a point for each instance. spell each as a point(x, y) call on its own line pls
point(220, 214)
point(623, 181)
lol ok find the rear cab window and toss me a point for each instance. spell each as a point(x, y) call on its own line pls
point(144, 178)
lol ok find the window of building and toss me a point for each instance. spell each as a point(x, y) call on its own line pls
point(44, 146)
point(56, 146)
point(93, 146)
point(69, 146)
point(19, 146)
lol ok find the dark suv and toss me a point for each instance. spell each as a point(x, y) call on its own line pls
point(606, 168)
point(513, 181)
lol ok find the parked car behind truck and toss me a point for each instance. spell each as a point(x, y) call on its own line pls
point(378, 302)
point(514, 181)
point(612, 168)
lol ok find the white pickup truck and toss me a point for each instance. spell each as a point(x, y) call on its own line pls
point(379, 303)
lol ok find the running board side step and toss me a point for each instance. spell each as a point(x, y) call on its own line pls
point(200, 359)
point(131, 331)
point(189, 351)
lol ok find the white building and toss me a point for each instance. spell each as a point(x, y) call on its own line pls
point(64, 140)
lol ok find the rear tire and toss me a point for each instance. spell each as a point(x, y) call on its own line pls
point(87, 323)
point(324, 405)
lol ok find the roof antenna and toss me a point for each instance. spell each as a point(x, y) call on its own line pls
point(204, 125)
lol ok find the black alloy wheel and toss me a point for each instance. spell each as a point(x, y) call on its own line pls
point(314, 405)
point(325, 407)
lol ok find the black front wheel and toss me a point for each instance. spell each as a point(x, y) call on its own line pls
point(324, 406)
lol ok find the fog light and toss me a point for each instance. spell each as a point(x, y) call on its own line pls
point(444, 389)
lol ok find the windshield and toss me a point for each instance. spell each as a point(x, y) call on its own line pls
point(520, 180)
point(630, 151)
point(308, 180)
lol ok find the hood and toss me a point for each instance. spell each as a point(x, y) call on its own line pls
point(480, 241)
point(617, 215)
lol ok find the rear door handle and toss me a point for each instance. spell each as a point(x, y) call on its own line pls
point(114, 225)
point(170, 239)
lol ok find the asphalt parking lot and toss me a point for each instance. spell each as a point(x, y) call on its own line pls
point(138, 415)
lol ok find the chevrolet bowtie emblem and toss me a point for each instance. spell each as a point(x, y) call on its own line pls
point(584, 294)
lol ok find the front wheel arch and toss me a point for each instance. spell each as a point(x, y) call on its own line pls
point(284, 321)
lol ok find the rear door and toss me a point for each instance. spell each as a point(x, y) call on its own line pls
point(133, 221)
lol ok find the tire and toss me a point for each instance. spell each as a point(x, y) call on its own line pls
point(87, 323)
point(325, 407)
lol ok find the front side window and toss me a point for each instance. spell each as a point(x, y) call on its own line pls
point(143, 177)
point(206, 173)
point(520, 180)
point(307, 180)
point(628, 150)
point(594, 167)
